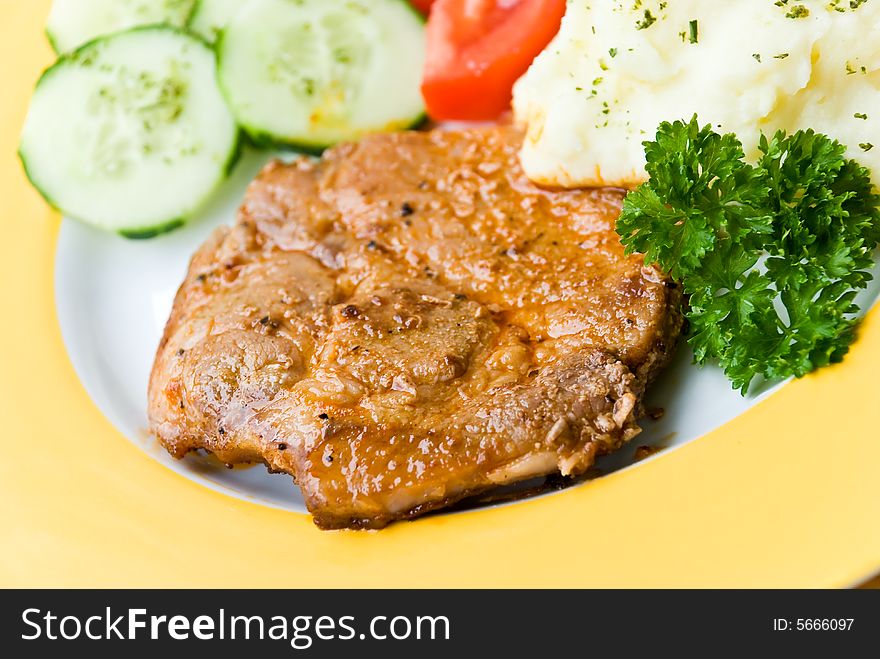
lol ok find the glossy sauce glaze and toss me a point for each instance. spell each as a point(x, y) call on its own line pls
point(409, 321)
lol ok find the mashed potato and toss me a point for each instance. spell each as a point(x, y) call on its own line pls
point(617, 69)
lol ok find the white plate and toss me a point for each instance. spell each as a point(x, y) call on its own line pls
point(114, 296)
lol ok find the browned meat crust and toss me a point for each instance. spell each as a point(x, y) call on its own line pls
point(408, 322)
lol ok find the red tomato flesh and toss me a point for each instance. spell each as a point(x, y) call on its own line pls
point(477, 50)
point(423, 6)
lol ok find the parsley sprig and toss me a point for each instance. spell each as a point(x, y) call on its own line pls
point(771, 255)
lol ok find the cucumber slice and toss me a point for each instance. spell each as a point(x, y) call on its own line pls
point(210, 17)
point(311, 73)
point(72, 23)
point(130, 133)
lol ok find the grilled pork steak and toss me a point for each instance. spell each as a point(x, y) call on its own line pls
point(410, 321)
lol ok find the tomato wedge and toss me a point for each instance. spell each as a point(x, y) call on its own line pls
point(477, 50)
point(423, 6)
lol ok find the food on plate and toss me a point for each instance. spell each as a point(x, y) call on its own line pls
point(130, 133)
point(412, 320)
point(771, 256)
point(209, 17)
point(140, 111)
point(771, 237)
point(409, 321)
point(72, 23)
point(423, 6)
point(311, 73)
point(617, 70)
point(478, 48)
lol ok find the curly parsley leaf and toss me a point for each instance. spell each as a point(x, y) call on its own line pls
point(771, 255)
point(700, 192)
